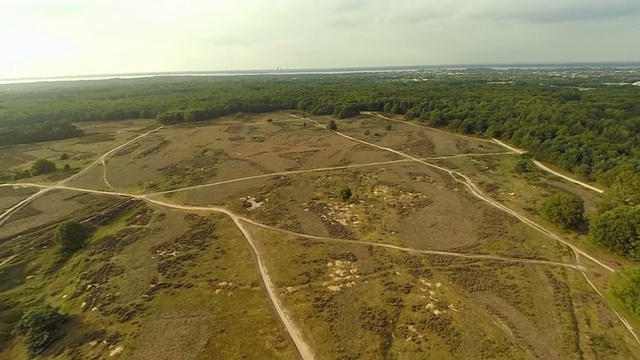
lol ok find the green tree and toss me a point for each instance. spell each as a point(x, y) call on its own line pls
point(71, 236)
point(565, 210)
point(618, 230)
point(41, 325)
point(624, 189)
point(346, 194)
point(524, 166)
point(64, 156)
point(42, 166)
point(626, 287)
point(332, 125)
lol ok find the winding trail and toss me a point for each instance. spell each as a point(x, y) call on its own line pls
point(495, 141)
point(104, 174)
point(415, 251)
point(479, 194)
point(294, 332)
point(549, 170)
point(342, 167)
point(7, 214)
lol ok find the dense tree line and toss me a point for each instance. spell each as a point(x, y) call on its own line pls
point(47, 131)
point(626, 287)
point(617, 226)
point(590, 133)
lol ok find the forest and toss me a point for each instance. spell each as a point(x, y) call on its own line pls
point(38, 132)
point(588, 132)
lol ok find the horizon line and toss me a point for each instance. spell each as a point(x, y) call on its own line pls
point(378, 68)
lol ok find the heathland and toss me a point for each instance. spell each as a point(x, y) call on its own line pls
point(407, 231)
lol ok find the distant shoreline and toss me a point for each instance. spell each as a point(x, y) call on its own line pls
point(328, 71)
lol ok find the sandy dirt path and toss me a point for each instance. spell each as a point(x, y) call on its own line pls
point(550, 171)
point(5, 215)
point(416, 251)
point(105, 179)
point(496, 141)
point(296, 335)
point(479, 194)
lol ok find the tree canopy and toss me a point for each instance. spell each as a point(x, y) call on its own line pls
point(71, 236)
point(47, 131)
point(565, 210)
point(618, 230)
point(41, 326)
point(591, 133)
point(626, 287)
point(42, 166)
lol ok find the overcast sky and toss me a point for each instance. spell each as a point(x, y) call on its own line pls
point(68, 37)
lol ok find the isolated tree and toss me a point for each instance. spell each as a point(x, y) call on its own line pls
point(565, 210)
point(388, 127)
point(42, 166)
point(332, 125)
point(41, 325)
point(64, 156)
point(71, 236)
point(346, 194)
point(66, 167)
point(524, 166)
point(367, 132)
point(269, 120)
point(626, 287)
point(618, 230)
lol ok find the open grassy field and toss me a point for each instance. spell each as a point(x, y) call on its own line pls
point(232, 239)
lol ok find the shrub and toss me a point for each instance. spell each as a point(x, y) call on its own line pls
point(64, 156)
point(367, 132)
point(332, 125)
point(388, 127)
point(41, 325)
point(565, 210)
point(524, 166)
point(345, 194)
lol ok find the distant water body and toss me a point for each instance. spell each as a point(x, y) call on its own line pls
point(197, 74)
point(334, 71)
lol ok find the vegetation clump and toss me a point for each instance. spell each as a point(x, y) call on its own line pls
point(618, 230)
point(626, 287)
point(42, 166)
point(524, 165)
point(41, 326)
point(345, 194)
point(332, 125)
point(32, 133)
point(565, 210)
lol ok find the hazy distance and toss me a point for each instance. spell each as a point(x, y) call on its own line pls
point(68, 37)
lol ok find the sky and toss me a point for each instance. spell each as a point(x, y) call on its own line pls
point(80, 37)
